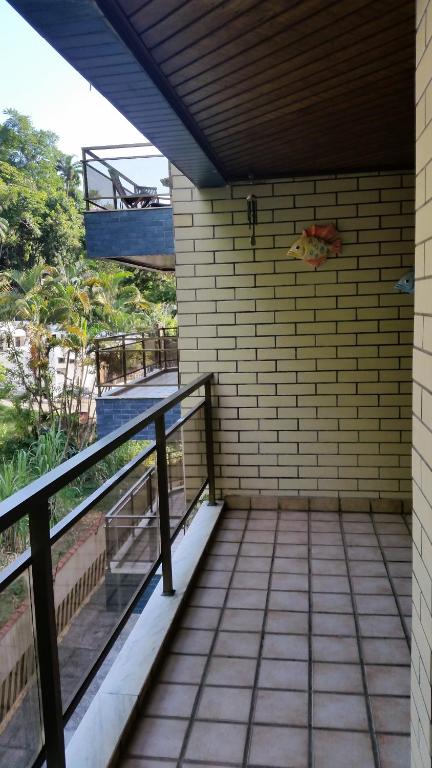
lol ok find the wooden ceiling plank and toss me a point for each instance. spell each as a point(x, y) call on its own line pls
point(237, 51)
point(153, 12)
point(288, 92)
point(353, 150)
point(279, 148)
point(277, 140)
point(318, 119)
point(176, 25)
point(360, 80)
point(356, 43)
point(133, 6)
point(232, 17)
point(216, 48)
point(201, 20)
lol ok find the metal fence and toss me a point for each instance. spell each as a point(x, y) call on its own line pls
point(124, 359)
point(58, 544)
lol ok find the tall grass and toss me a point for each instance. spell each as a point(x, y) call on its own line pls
point(44, 454)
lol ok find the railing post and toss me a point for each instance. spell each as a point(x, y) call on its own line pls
point(85, 180)
point(97, 361)
point(208, 422)
point(164, 516)
point(46, 635)
point(144, 355)
point(164, 351)
point(124, 360)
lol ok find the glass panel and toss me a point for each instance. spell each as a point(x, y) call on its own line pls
point(153, 358)
point(113, 179)
point(134, 361)
point(170, 354)
point(176, 487)
point(21, 730)
point(194, 448)
point(100, 186)
point(187, 466)
point(100, 562)
point(111, 366)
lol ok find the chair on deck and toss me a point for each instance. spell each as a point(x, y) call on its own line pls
point(141, 197)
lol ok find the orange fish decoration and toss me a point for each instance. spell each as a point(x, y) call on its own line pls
point(316, 244)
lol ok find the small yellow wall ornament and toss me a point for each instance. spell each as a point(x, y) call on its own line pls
point(316, 244)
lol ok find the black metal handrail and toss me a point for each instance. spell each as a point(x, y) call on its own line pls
point(34, 501)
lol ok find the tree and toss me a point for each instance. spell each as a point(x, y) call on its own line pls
point(44, 220)
point(27, 148)
point(54, 312)
point(70, 171)
point(118, 304)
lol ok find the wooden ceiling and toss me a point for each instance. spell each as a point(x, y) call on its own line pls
point(233, 89)
point(283, 87)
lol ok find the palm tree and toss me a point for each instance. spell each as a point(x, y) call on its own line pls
point(70, 171)
point(4, 226)
point(119, 304)
point(4, 229)
point(42, 296)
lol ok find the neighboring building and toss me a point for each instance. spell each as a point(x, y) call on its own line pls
point(61, 359)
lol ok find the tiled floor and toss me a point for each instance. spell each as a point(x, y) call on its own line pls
point(293, 650)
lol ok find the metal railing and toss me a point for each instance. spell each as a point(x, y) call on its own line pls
point(114, 177)
point(124, 359)
point(34, 502)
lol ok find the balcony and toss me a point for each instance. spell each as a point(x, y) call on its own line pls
point(128, 213)
point(134, 372)
point(127, 359)
point(262, 631)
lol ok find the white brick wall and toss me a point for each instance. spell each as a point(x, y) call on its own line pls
point(313, 369)
point(422, 404)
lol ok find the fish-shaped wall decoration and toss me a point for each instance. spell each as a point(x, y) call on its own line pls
point(316, 244)
point(406, 283)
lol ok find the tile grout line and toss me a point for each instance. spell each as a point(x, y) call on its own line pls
point(374, 743)
point(198, 695)
point(390, 578)
point(248, 741)
point(310, 655)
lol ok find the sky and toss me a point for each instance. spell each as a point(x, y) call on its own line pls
point(39, 83)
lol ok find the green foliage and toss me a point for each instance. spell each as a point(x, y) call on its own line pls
point(42, 455)
point(8, 427)
point(70, 171)
point(12, 597)
point(46, 282)
point(41, 209)
point(158, 288)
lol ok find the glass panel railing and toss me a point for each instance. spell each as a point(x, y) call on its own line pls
point(103, 519)
point(21, 730)
point(100, 561)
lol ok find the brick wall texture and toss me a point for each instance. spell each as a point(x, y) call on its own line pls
point(422, 403)
point(312, 368)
